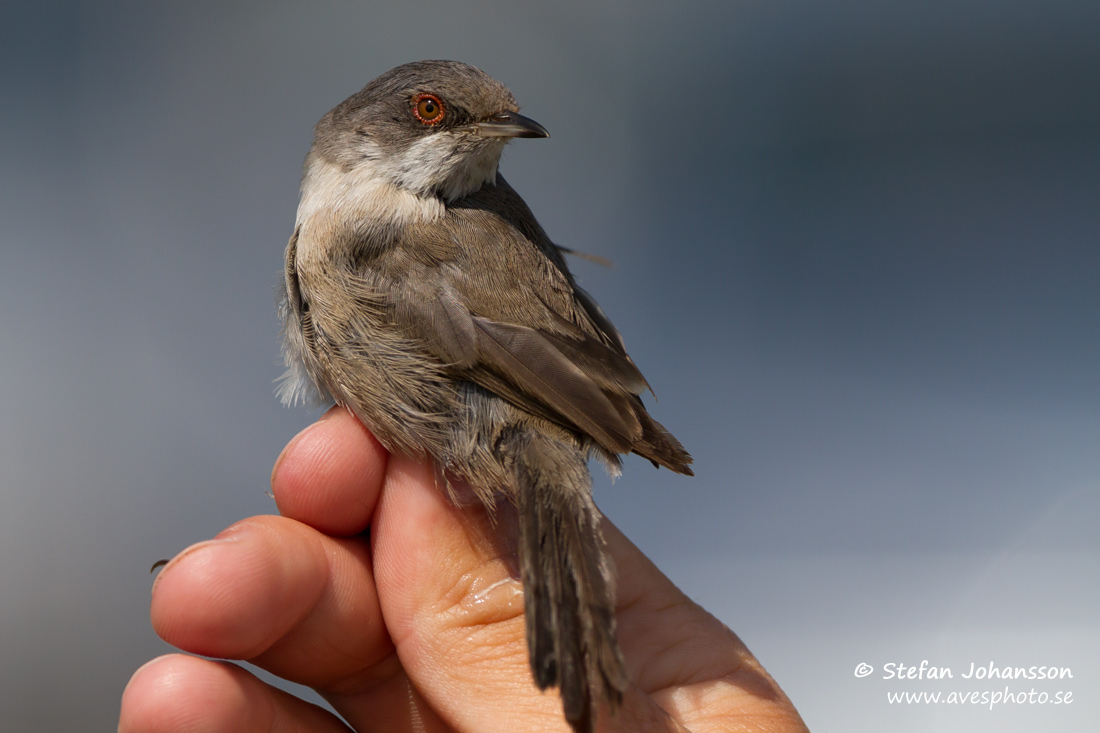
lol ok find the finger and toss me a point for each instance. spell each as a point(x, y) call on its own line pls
point(689, 662)
point(281, 594)
point(177, 692)
point(329, 476)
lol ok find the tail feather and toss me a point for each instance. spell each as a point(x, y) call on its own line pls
point(568, 587)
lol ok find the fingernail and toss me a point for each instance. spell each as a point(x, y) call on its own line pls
point(235, 533)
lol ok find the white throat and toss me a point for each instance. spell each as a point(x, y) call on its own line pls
point(333, 196)
point(446, 164)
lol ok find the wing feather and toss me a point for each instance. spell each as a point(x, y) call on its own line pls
point(461, 287)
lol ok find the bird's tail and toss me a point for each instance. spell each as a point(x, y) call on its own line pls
point(569, 593)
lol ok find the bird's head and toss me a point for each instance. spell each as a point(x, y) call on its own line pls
point(431, 128)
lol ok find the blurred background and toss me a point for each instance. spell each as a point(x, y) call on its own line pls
point(856, 252)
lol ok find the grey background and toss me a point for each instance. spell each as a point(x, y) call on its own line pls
point(856, 256)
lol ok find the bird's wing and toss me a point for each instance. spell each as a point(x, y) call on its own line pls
point(486, 293)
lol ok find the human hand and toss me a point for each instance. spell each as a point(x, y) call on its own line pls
point(416, 625)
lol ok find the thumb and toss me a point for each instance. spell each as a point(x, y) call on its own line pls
point(451, 598)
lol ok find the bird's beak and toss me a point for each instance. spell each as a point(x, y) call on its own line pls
point(510, 124)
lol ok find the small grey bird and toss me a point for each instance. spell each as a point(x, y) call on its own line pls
point(421, 294)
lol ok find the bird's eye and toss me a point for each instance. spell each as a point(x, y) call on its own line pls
point(428, 108)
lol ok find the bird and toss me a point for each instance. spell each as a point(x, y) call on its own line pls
point(421, 293)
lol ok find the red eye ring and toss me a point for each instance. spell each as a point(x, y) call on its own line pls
point(428, 108)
